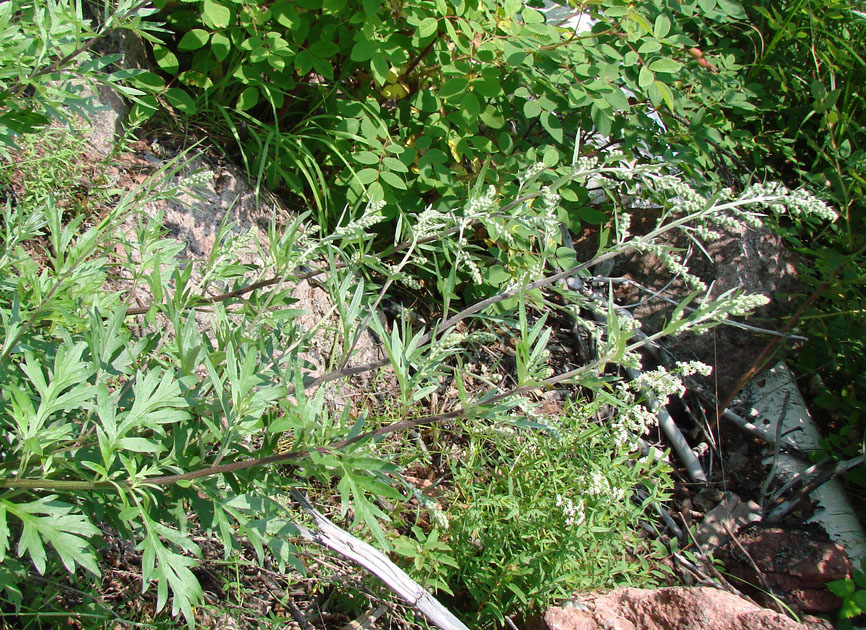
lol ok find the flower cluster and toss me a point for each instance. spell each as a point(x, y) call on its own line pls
point(483, 204)
point(623, 225)
point(464, 258)
point(549, 198)
point(746, 303)
point(632, 419)
point(498, 231)
point(662, 383)
point(371, 216)
point(532, 171)
point(599, 485)
point(431, 221)
point(402, 277)
point(575, 513)
point(584, 165)
point(199, 178)
point(446, 346)
point(690, 368)
point(707, 234)
point(685, 199)
point(673, 262)
point(798, 202)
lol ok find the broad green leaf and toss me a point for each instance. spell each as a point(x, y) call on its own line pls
point(179, 99)
point(221, 46)
point(617, 99)
point(649, 46)
point(395, 165)
point(487, 87)
point(166, 59)
point(304, 62)
point(363, 50)
point(513, 55)
point(646, 77)
point(531, 16)
point(531, 109)
point(195, 79)
point(668, 66)
point(365, 157)
point(193, 40)
point(149, 81)
point(276, 62)
point(376, 192)
point(392, 179)
point(453, 87)
point(662, 26)
point(323, 67)
point(285, 14)
point(495, 275)
point(469, 106)
point(553, 125)
point(428, 27)
point(367, 175)
point(216, 15)
point(732, 8)
point(640, 20)
point(248, 98)
point(666, 93)
point(379, 67)
point(566, 257)
point(324, 49)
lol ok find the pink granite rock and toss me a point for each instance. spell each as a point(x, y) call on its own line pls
point(675, 608)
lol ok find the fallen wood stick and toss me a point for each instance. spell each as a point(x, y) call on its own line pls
point(359, 552)
point(365, 621)
point(810, 485)
point(763, 434)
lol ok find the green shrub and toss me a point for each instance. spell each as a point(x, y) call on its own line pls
point(156, 426)
point(540, 513)
point(339, 100)
point(138, 428)
point(46, 63)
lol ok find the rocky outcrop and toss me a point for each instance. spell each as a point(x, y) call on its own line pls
point(792, 563)
point(674, 608)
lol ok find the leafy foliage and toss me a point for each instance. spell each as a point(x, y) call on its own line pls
point(851, 590)
point(806, 60)
point(132, 427)
point(415, 103)
point(441, 145)
point(552, 513)
point(46, 65)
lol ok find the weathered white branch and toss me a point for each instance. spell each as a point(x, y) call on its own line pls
point(377, 563)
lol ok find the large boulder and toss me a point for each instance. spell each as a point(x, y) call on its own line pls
point(674, 608)
point(792, 563)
